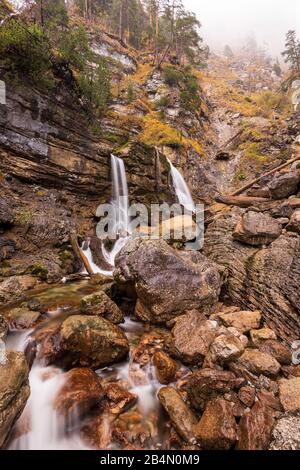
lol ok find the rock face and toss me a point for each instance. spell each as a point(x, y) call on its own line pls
point(181, 416)
point(92, 341)
point(217, 428)
point(192, 337)
point(284, 185)
point(100, 304)
point(260, 279)
point(208, 384)
point(256, 229)
point(255, 428)
point(80, 392)
point(289, 393)
point(167, 282)
point(14, 392)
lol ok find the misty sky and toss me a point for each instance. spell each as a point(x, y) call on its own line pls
point(230, 21)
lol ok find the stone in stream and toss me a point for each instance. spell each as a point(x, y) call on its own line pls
point(205, 385)
point(284, 185)
point(21, 318)
point(258, 362)
point(14, 391)
point(255, 228)
point(91, 341)
point(118, 399)
point(3, 328)
point(255, 428)
point(165, 367)
point(217, 427)
point(289, 394)
point(167, 282)
point(100, 304)
point(192, 336)
point(180, 414)
point(80, 392)
point(243, 321)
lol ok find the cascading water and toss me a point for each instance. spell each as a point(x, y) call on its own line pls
point(181, 189)
point(120, 201)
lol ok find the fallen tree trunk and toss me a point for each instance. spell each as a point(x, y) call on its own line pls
point(240, 201)
point(78, 252)
point(256, 180)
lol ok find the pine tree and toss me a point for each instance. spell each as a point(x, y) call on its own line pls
point(291, 53)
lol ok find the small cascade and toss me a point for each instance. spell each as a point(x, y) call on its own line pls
point(181, 189)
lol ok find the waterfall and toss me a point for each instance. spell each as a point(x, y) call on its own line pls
point(120, 201)
point(181, 189)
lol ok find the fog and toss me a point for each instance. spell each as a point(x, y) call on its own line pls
point(231, 21)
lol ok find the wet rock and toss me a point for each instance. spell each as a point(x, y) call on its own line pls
point(3, 328)
point(207, 384)
point(217, 428)
point(255, 428)
point(289, 394)
point(119, 399)
point(100, 304)
point(165, 367)
point(96, 433)
point(192, 337)
point(92, 341)
point(284, 185)
point(286, 434)
point(294, 224)
point(14, 391)
point(167, 282)
point(21, 318)
point(226, 348)
point(276, 349)
point(255, 228)
point(181, 416)
point(243, 321)
point(247, 395)
point(14, 287)
point(80, 392)
point(258, 362)
point(257, 336)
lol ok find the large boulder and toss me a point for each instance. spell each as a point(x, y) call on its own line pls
point(217, 428)
point(14, 391)
point(255, 228)
point(167, 282)
point(181, 416)
point(192, 336)
point(100, 304)
point(284, 185)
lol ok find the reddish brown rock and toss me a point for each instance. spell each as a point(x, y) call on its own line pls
point(119, 399)
point(243, 321)
point(269, 399)
point(81, 391)
point(207, 384)
point(276, 349)
point(226, 348)
point(165, 367)
point(192, 337)
point(180, 414)
point(289, 394)
point(96, 433)
point(255, 428)
point(217, 428)
point(258, 363)
point(247, 395)
point(100, 304)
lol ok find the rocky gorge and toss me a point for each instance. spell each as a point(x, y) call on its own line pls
point(160, 347)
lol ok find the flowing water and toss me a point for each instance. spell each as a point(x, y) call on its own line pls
point(40, 427)
point(181, 189)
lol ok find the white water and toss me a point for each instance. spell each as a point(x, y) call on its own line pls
point(181, 189)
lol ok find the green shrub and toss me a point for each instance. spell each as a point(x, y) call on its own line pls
point(163, 102)
point(95, 86)
point(130, 93)
point(172, 76)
